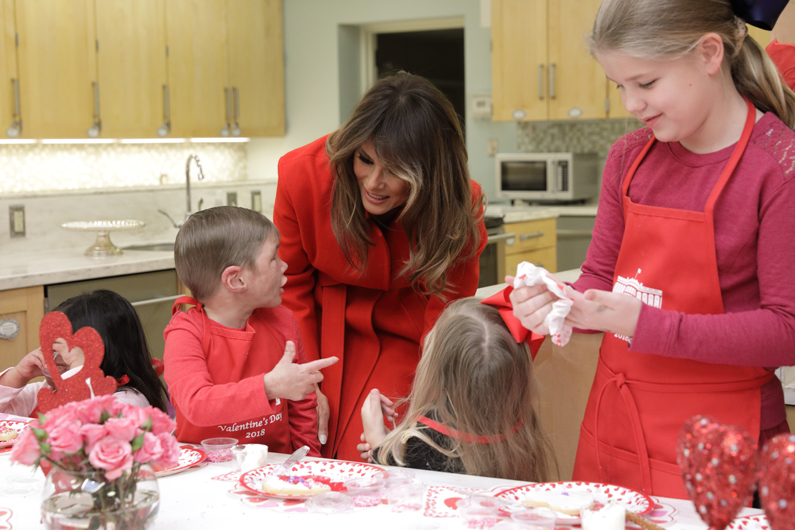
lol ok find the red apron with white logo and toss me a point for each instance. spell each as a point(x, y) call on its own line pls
point(639, 401)
point(226, 351)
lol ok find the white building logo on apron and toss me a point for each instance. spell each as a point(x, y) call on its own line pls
point(633, 287)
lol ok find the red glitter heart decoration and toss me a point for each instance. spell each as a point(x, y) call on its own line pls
point(718, 464)
point(777, 481)
point(90, 381)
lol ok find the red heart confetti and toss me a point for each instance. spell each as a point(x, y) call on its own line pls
point(777, 481)
point(718, 464)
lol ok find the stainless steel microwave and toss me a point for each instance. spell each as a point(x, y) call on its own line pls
point(547, 177)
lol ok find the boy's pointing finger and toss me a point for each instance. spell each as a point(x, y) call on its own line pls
point(315, 366)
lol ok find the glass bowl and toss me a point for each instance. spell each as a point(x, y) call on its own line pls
point(397, 476)
point(479, 512)
point(405, 497)
point(365, 491)
point(535, 518)
point(219, 449)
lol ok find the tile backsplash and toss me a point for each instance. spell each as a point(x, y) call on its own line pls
point(594, 136)
point(26, 168)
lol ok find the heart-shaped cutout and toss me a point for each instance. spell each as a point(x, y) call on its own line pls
point(718, 464)
point(777, 480)
point(451, 502)
point(90, 381)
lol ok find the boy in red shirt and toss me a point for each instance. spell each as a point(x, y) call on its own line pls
point(235, 364)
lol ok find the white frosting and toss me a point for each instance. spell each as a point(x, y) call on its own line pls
point(254, 456)
point(609, 517)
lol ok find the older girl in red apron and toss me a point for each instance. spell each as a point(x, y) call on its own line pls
point(697, 228)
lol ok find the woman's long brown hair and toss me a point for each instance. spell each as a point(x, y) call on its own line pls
point(416, 135)
point(475, 378)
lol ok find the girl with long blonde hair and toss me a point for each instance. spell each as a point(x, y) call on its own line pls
point(472, 404)
point(689, 269)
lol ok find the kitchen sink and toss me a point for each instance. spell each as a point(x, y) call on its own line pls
point(159, 247)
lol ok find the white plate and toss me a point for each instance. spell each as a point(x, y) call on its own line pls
point(104, 226)
point(335, 470)
point(188, 456)
point(18, 426)
point(632, 500)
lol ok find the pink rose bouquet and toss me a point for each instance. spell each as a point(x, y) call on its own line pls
point(103, 438)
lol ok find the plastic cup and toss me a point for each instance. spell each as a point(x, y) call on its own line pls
point(331, 502)
point(396, 476)
point(479, 512)
point(365, 491)
point(535, 518)
point(405, 497)
point(219, 449)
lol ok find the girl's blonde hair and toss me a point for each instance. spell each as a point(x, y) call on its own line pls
point(656, 29)
point(416, 135)
point(475, 378)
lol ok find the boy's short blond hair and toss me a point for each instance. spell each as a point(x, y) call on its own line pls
point(212, 240)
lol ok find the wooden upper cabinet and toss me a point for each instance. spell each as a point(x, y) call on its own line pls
point(57, 67)
point(131, 62)
point(256, 66)
point(541, 67)
point(575, 79)
point(9, 119)
point(198, 67)
point(21, 311)
point(519, 59)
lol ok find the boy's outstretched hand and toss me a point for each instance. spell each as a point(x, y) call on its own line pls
point(293, 381)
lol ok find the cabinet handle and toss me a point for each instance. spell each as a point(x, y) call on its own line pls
point(96, 126)
point(228, 99)
point(164, 129)
point(563, 233)
point(534, 235)
point(500, 237)
point(236, 96)
point(540, 81)
point(552, 81)
point(156, 300)
point(16, 120)
point(9, 328)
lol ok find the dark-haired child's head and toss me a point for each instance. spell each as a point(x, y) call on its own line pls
point(126, 351)
point(212, 240)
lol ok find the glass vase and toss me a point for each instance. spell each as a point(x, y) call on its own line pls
point(90, 501)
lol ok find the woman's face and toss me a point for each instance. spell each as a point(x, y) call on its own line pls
point(381, 190)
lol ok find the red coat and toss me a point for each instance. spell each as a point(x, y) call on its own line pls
point(372, 321)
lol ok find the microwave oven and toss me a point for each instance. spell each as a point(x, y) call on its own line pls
point(547, 177)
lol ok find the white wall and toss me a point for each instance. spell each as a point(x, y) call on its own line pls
point(312, 74)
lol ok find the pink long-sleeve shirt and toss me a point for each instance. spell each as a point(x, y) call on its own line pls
point(755, 244)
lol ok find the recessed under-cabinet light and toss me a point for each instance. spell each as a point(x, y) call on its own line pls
point(79, 141)
point(218, 140)
point(153, 140)
point(10, 142)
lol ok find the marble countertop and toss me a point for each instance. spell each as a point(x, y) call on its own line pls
point(517, 214)
point(31, 268)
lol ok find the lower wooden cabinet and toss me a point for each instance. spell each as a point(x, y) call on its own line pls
point(21, 310)
point(534, 242)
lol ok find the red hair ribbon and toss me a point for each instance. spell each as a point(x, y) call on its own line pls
point(458, 435)
point(518, 331)
point(783, 55)
point(158, 365)
point(123, 380)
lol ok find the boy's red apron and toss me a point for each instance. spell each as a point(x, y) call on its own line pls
point(639, 401)
point(232, 364)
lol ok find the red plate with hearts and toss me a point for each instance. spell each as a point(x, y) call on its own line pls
point(14, 425)
point(332, 472)
point(188, 456)
point(632, 500)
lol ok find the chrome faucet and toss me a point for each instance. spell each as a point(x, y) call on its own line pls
point(187, 190)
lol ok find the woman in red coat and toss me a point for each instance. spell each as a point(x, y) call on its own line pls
point(381, 226)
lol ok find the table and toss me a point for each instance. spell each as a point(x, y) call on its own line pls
point(196, 499)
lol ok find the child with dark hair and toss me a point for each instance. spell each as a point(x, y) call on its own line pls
point(126, 357)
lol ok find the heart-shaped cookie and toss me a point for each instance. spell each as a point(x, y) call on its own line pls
point(90, 381)
point(777, 481)
point(718, 464)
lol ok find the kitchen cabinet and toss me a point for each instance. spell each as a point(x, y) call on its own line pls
point(574, 235)
point(9, 91)
point(131, 64)
point(534, 242)
point(21, 310)
point(57, 67)
point(226, 67)
point(541, 67)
